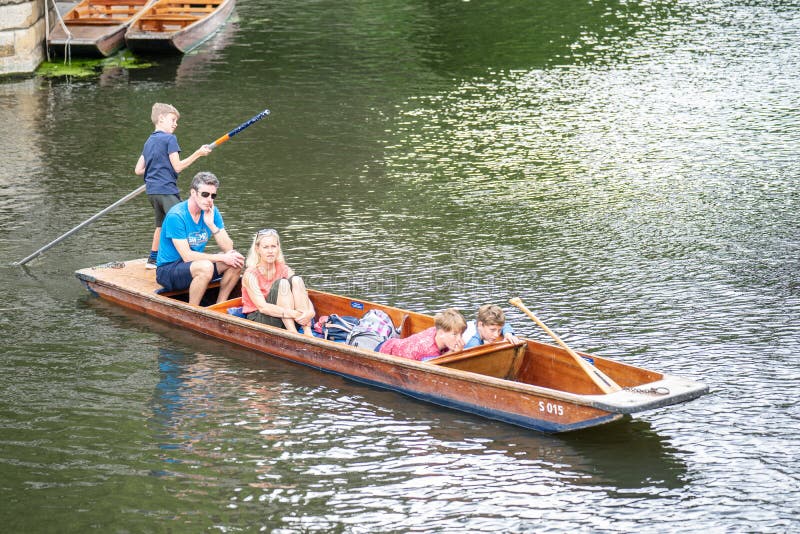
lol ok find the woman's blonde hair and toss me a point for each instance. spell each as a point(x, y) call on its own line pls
point(252, 255)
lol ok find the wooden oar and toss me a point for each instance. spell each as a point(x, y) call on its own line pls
point(603, 381)
point(134, 193)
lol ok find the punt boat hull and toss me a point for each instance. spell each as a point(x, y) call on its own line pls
point(176, 26)
point(532, 385)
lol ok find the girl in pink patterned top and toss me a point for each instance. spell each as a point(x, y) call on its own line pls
point(271, 293)
point(444, 336)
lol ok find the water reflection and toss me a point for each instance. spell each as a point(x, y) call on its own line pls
point(193, 67)
point(632, 177)
point(277, 438)
point(279, 412)
point(21, 160)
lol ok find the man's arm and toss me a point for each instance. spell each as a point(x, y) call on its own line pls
point(212, 218)
point(224, 242)
point(228, 257)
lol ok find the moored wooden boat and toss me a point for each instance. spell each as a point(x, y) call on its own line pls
point(94, 27)
point(532, 384)
point(177, 26)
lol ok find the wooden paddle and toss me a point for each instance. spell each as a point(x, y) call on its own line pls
point(603, 381)
point(134, 193)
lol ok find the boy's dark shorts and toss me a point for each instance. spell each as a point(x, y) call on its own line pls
point(177, 276)
point(161, 205)
point(271, 298)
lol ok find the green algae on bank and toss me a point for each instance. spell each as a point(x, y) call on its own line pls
point(82, 67)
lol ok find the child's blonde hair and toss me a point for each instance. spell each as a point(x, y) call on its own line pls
point(492, 315)
point(450, 320)
point(162, 109)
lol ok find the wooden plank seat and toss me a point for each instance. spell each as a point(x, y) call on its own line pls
point(182, 9)
point(108, 8)
point(112, 15)
point(97, 14)
point(171, 18)
point(176, 12)
point(96, 22)
point(99, 3)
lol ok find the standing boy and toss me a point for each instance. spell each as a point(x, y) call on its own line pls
point(160, 163)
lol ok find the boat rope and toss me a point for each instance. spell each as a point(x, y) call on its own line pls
point(661, 390)
point(67, 47)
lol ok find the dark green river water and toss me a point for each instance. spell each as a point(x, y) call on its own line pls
point(628, 168)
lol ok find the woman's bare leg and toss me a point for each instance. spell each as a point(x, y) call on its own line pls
point(286, 300)
point(301, 301)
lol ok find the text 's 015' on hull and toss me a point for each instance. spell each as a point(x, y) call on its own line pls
point(176, 26)
point(93, 28)
point(531, 384)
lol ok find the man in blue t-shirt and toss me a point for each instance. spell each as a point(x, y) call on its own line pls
point(160, 164)
point(182, 262)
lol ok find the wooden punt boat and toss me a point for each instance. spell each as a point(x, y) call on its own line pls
point(531, 384)
point(177, 26)
point(94, 27)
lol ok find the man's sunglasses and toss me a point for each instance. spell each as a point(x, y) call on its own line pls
point(206, 194)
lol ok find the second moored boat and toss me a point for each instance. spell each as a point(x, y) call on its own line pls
point(176, 26)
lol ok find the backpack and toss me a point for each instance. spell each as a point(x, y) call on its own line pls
point(373, 329)
point(336, 327)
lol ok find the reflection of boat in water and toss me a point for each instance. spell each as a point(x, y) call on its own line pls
point(209, 376)
point(623, 456)
point(94, 27)
point(529, 384)
point(176, 26)
point(192, 66)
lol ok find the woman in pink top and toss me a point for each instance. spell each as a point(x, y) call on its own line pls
point(443, 336)
point(271, 293)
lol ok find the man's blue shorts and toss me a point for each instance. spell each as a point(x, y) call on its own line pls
point(177, 275)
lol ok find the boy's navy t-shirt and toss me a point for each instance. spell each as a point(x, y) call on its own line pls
point(159, 176)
